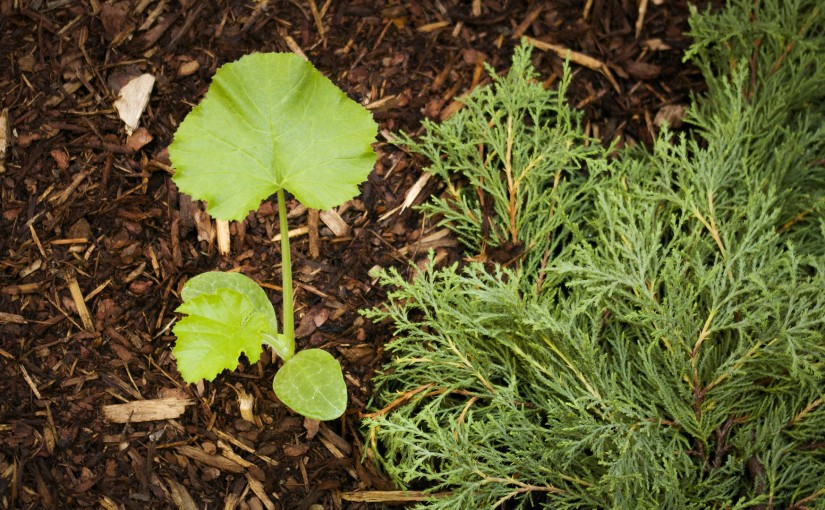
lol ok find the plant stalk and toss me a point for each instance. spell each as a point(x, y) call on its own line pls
point(286, 272)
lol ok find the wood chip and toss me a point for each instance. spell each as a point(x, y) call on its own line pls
point(312, 230)
point(180, 496)
point(188, 68)
point(258, 488)
point(30, 382)
point(439, 238)
point(5, 137)
point(578, 58)
point(79, 302)
point(432, 27)
point(672, 114)
point(528, 20)
point(335, 223)
point(10, 318)
point(387, 496)
point(410, 196)
point(138, 139)
point(227, 452)
point(134, 96)
point(293, 46)
point(216, 461)
point(146, 410)
point(640, 21)
point(222, 229)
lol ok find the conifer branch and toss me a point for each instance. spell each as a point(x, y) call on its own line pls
point(620, 360)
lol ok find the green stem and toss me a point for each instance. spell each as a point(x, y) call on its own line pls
point(286, 273)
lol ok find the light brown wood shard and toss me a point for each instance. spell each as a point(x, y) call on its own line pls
point(216, 461)
point(180, 496)
point(335, 223)
point(146, 410)
point(5, 136)
point(388, 496)
point(79, 302)
point(222, 228)
point(578, 58)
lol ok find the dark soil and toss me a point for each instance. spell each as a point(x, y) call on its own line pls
point(96, 242)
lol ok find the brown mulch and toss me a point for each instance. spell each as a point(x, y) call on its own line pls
point(96, 242)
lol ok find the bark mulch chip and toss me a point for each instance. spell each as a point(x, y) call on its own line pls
point(96, 242)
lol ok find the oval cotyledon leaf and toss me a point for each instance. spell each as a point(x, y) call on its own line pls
point(271, 121)
point(311, 383)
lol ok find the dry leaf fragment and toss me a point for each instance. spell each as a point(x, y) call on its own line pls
point(139, 138)
point(134, 96)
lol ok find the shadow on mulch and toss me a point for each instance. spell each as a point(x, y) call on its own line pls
point(96, 242)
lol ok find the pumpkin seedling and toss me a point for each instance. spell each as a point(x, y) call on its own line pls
point(269, 123)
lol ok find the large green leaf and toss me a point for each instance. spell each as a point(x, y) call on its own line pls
point(311, 383)
point(218, 328)
point(271, 121)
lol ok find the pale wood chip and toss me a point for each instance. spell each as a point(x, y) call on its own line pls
point(335, 223)
point(107, 503)
point(146, 410)
point(180, 496)
point(5, 137)
point(385, 103)
point(672, 114)
point(415, 190)
point(410, 196)
point(79, 302)
point(295, 232)
point(11, 318)
point(67, 193)
point(216, 461)
point(386, 496)
point(258, 488)
point(656, 44)
point(578, 58)
point(319, 23)
point(339, 441)
point(227, 452)
point(432, 27)
point(222, 229)
point(30, 382)
point(188, 68)
point(640, 21)
point(249, 449)
point(134, 96)
point(312, 229)
point(438, 239)
point(528, 20)
point(293, 46)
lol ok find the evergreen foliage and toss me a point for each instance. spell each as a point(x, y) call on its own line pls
point(661, 341)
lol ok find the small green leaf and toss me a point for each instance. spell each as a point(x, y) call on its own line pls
point(272, 121)
point(311, 384)
point(211, 282)
point(218, 328)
